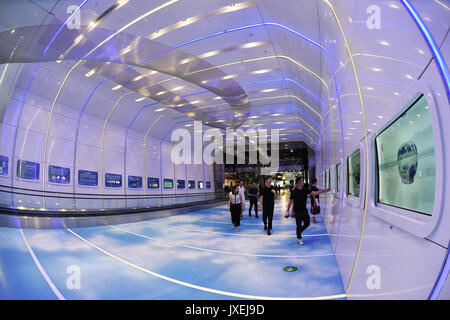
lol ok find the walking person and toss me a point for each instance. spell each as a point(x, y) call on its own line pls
point(299, 197)
point(291, 188)
point(241, 190)
point(235, 205)
point(253, 198)
point(267, 203)
point(315, 201)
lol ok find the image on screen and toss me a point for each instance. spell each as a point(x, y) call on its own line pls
point(153, 183)
point(168, 184)
point(191, 184)
point(3, 166)
point(208, 184)
point(338, 177)
point(200, 184)
point(134, 182)
point(406, 160)
point(87, 178)
point(28, 170)
point(354, 173)
point(113, 180)
point(181, 184)
point(58, 175)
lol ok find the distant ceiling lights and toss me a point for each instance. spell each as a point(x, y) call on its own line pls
point(384, 43)
point(116, 87)
point(270, 90)
point(140, 99)
point(160, 109)
point(160, 93)
point(144, 75)
point(261, 71)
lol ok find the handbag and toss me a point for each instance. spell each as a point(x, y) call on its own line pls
point(315, 209)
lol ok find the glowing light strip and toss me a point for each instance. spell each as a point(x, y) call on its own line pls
point(442, 4)
point(41, 269)
point(220, 251)
point(442, 66)
point(193, 286)
point(366, 141)
point(259, 59)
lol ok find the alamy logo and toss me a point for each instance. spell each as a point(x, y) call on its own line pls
point(374, 20)
point(74, 279)
point(374, 280)
point(213, 152)
point(75, 22)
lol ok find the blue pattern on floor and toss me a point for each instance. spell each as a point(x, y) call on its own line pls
point(199, 249)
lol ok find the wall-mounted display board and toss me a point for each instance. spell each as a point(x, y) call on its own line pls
point(153, 183)
point(200, 184)
point(168, 183)
point(181, 184)
point(59, 175)
point(354, 173)
point(329, 178)
point(338, 177)
point(4, 166)
point(208, 184)
point(191, 184)
point(28, 170)
point(406, 160)
point(87, 178)
point(134, 182)
point(113, 180)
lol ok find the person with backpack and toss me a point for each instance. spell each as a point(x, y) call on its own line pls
point(267, 203)
point(253, 198)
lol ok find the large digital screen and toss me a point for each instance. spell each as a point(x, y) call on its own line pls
point(58, 175)
point(406, 160)
point(168, 184)
point(28, 170)
point(354, 173)
point(113, 180)
point(181, 184)
point(3, 166)
point(338, 177)
point(87, 178)
point(208, 184)
point(200, 184)
point(153, 183)
point(191, 184)
point(134, 182)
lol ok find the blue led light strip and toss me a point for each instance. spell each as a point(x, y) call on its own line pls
point(443, 70)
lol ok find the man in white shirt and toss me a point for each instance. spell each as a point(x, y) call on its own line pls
point(242, 192)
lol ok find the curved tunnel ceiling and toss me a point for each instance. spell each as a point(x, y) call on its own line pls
point(233, 74)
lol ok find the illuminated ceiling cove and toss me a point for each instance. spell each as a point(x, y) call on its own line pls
point(250, 64)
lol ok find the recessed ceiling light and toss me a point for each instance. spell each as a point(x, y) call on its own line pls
point(380, 117)
point(139, 99)
point(384, 43)
point(116, 87)
point(160, 109)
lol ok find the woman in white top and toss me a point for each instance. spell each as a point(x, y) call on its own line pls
point(235, 205)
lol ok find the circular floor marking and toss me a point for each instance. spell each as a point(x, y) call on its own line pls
point(290, 269)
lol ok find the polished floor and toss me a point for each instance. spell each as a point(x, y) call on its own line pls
point(188, 256)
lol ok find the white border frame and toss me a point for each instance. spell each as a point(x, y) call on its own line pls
point(141, 188)
point(56, 183)
point(113, 188)
point(351, 200)
point(28, 180)
point(421, 225)
point(84, 186)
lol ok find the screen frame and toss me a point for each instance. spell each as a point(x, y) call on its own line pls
point(154, 188)
point(414, 222)
point(24, 179)
point(347, 172)
point(189, 187)
point(351, 200)
point(8, 166)
point(164, 184)
point(114, 188)
point(182, 187)
point(134, 188)
point(87, 186)
point(58, 183)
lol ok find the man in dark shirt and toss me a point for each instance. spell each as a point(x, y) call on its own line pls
point(314, 199)
point(299, 197)
point(267, 201)
point(253, 198)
